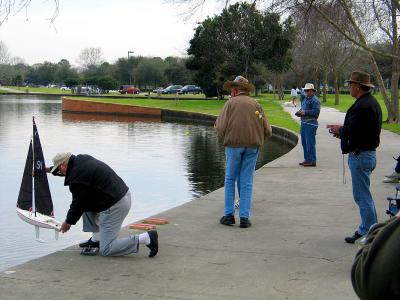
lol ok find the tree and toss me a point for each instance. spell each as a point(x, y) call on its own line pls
point(64, 71)
point(4, 54)
point(322, 50)
point(234, 42)
point(176, 72)
point(71, 81)
point(18, 80)
point(89, 57)
point(124, 69)
point(107, 83)
point(150, 72)
point(12, 7)
point(361, 17)
point(42, 74)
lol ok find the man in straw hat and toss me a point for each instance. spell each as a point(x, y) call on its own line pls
point(360, 136)
point(309, 113)
point(243, 126)
point(104, 200)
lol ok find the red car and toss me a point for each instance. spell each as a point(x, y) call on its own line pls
point(128, 89)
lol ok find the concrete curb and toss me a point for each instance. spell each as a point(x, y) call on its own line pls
point(294, 250)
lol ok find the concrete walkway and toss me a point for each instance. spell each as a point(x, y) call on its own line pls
point(295, 249)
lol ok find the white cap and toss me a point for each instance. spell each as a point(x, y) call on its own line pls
point(59, 159)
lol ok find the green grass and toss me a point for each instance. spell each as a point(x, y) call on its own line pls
point(275, 113)
point(345, 101)
point(43, 90)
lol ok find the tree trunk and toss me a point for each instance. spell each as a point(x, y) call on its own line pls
point(324, 91)
point(281, 94)
point(391, 112)
point(395, 66)
point(336, 85)
point(395, 96)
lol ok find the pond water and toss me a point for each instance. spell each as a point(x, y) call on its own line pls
point(164, 165)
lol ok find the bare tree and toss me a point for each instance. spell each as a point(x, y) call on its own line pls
point(357, 31)
point(12, 7)
point(4, 54)
point(90, 57)
point(331, 53)
point(16, 60)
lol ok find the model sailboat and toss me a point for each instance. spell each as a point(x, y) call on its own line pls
point(34, 204)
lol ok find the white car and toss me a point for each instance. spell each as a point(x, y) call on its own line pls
point(65, 88)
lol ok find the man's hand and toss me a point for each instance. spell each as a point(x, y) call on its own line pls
point(300, 113)
point(65, 227)
point(334, 129)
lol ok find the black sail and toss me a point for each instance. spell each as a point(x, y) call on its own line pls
point(25, 192)
point(43, 201)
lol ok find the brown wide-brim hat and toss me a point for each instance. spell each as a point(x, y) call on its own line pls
point(361, 78)
point(241, 83)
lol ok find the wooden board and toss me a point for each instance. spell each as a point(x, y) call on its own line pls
point(142, 226)
point(156, 221)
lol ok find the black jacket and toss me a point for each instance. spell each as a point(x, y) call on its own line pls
point(94, 186)
point(362, 125)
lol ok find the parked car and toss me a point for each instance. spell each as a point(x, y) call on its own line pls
point(172, 89)
point(86, 90)
point(65, 88)
point(158, 90)
point(191, 89)
point(128, 89)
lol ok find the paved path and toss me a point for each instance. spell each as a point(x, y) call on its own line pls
point(295, 249)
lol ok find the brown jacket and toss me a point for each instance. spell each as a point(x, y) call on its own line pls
point(242, 123)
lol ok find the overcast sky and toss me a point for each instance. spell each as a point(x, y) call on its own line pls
point(147, 27)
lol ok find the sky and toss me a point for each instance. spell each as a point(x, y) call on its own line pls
point(147, 27)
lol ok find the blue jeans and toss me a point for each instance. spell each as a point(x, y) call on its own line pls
point(240, 167)
point(361, 167)
point(308, 132)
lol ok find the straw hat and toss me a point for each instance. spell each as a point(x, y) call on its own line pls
point(239, 82)
point(59, 159)
point(361, 78)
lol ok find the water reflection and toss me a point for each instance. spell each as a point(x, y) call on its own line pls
point(164, 164)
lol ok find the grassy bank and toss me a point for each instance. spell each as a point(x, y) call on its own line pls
point(275, 113)
point(346, 101)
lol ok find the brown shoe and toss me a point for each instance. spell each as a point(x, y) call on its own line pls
point(309, 164)
point(302, 163)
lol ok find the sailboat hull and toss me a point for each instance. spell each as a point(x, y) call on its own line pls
point(38, 219)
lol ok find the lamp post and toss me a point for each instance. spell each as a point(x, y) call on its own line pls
point(130, 71)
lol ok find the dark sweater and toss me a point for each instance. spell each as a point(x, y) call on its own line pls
point(376, 270)
point(94, 186)
point(362, 125)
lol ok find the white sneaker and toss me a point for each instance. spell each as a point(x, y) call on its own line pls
point(394, 175)
point(390, 180)
point(361, 242)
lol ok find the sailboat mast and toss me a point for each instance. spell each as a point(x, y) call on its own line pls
point(33, 167)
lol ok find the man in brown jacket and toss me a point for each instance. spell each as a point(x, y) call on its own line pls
point(243, 126)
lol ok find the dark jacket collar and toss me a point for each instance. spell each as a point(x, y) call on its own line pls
point(69, 168)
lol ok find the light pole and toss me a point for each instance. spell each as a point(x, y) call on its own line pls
point(130, 71)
